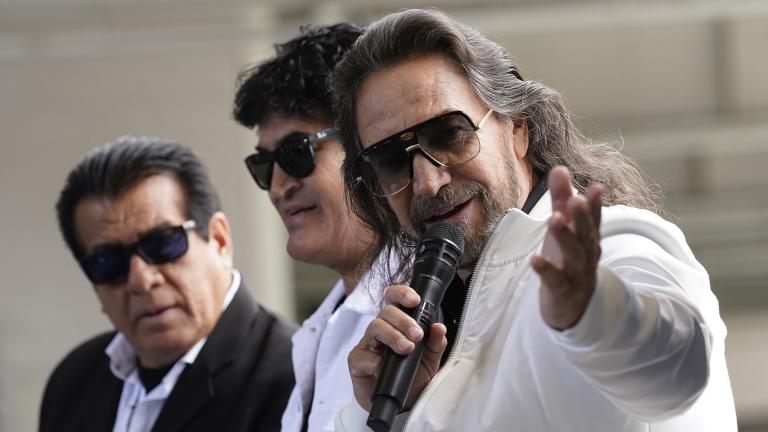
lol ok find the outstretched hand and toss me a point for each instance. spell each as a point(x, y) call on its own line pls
point(568, 261)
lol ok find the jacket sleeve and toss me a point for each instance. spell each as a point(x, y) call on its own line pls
point(646, 336)
point(51, 395)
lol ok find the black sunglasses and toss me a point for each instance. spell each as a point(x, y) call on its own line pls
point(447, 140)
point(295, 154)
point(111, 263)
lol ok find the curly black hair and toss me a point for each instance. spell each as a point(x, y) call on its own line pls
point(295, 81)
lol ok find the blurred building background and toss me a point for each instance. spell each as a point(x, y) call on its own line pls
point(681, 84)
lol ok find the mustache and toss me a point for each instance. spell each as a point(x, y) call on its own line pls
point(423, 208)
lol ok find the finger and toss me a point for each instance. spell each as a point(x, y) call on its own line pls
point(594, 196)
point(551, 277)
point(402, 322)
point(437, 338)
point(363, 363)
point(581, 218)
point(380, 334)
point(588, 231)
point(401, 295)
point(559, 182)
point(572, 252)
point(434, 348)
point(364, 368)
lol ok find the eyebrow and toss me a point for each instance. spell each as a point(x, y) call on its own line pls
point(433, 116)
point(141, 234)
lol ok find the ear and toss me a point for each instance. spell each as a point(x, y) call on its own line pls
point(520, 137)
point(220, 237)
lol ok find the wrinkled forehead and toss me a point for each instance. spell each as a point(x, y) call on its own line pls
point(151, 203)
point(409, 93)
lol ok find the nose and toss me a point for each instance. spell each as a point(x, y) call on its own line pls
point(283, 185)
point(428, 178)
point(142, 277)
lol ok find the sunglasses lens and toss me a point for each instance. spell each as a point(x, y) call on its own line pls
point(387, 168)
point(157, 247)
point(296, 157)
point(260, 169)
point(163, 245)
point(106, 266)
point(449, 139)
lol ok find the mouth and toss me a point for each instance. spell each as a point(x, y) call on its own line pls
point(297, 211)
point(446, 213)
point(155, 314)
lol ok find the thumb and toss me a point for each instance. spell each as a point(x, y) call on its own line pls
point(436, 342)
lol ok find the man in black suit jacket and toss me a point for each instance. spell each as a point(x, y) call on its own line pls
point(192, 351)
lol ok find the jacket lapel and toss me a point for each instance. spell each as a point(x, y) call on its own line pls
point(196, 386)
point(192, 391)
point(102, 404)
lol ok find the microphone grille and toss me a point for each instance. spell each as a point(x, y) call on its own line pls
point(447, 231)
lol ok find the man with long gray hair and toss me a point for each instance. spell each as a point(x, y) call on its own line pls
point(575, 307)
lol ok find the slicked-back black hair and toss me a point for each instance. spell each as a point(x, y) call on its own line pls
point(295, 81)
point(113, 168)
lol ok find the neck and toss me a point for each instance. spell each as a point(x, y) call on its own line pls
point(351, 266)
point(465, 271)
point(349, 283)
point(157, 360)
point(351, 274)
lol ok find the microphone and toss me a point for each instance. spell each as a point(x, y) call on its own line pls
point(437, 257)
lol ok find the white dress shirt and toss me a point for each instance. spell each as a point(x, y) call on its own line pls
point(138, 410)
point(320, 349)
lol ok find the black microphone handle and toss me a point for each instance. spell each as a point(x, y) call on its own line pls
point(437, 256)
point(398, 370)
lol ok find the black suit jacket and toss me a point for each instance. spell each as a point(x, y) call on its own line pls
point(240, 381)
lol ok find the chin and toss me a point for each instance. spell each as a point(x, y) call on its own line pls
point(305, 243)
point(301, 253)
point(315, 256)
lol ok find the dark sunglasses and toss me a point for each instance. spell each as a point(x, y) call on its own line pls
point(447, 140)
point(295, 154)
point(111, 263)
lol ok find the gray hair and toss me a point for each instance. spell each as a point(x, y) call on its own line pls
point(494, 77)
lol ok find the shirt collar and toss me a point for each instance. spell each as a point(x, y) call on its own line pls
point(364, 298)
point(534, 196)
point(122, 356)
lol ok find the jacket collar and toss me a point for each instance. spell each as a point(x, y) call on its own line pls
point(518, 234)
point(543, 208)
point(104, 398)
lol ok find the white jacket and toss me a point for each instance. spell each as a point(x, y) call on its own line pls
point(320, 350)
point(647, 355)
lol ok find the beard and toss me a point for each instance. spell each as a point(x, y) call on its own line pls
point(494, 206)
